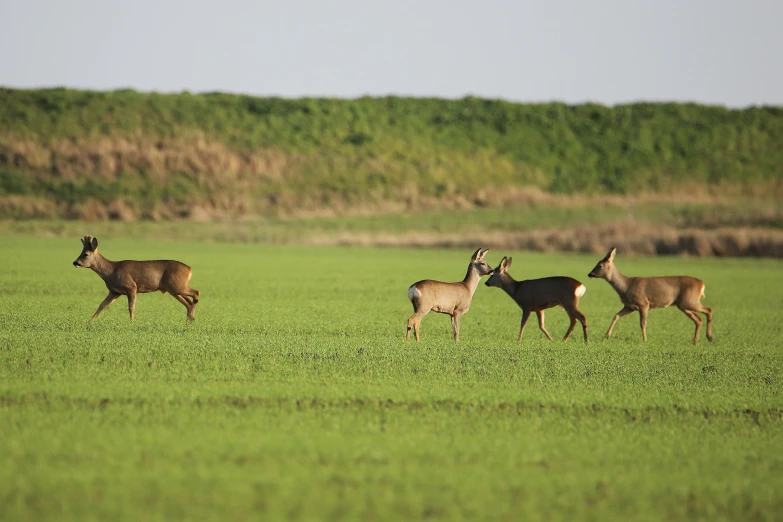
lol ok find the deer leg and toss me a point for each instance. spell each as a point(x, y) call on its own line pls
point(413, 323)
point(455, 325)
point(708, 313)
point(575, 315)
point(106, 302)
point(643, 321)
point(411, 326)
point(570, 327)
point(132, 303)
point(622, 313)
point(540, 314)
point(190, 306)
point(582, 319)
point(194, 294)
point(416, 326)
point(525, 317)
point(191, 294)
point(696, 320)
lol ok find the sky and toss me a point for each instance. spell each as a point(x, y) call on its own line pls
point(719, 52)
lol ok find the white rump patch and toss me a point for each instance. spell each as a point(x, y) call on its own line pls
point(703, 286)
point(580, 290)
point(413, 293)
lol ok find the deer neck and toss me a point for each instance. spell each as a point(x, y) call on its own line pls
point(618, 281)
point(509, 284)
point(102, 266)
point(472, 279)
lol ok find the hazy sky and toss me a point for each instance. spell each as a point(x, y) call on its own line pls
point(609, 51)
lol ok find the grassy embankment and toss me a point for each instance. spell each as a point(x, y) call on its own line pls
point(636, 169)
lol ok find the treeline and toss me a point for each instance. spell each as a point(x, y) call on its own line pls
point(66, 150)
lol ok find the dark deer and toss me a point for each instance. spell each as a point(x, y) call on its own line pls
point(536, 295)
point(644, 293)
point(446, 298)
point(138, 277)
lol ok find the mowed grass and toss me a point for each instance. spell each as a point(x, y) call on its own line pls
point(295, 396)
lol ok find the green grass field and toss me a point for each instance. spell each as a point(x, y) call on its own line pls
point(295, 396)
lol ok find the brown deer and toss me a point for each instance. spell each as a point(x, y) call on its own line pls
point(138, 277)
point(536, 295)
point(446, 298)
point(644, 293)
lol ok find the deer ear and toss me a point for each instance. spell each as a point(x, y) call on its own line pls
point(94, 243)
point(483, 253)
point(476, 255)
point(610, 255)
point(82, 240)
point(508, 263)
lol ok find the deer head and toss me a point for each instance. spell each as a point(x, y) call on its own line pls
point(500, 273)
point(89, 252)
point(478, 263)
point(604, 266)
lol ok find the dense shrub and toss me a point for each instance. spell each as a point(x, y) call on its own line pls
point(368, 149)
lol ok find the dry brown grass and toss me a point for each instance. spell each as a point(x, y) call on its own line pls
point(109, 157)
point(224, 206)
point(26, 207)
point(643, 240)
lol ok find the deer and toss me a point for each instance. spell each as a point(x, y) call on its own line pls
point(645, 293)
point(537, 295)
point(138, 277)
point(446, 298)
